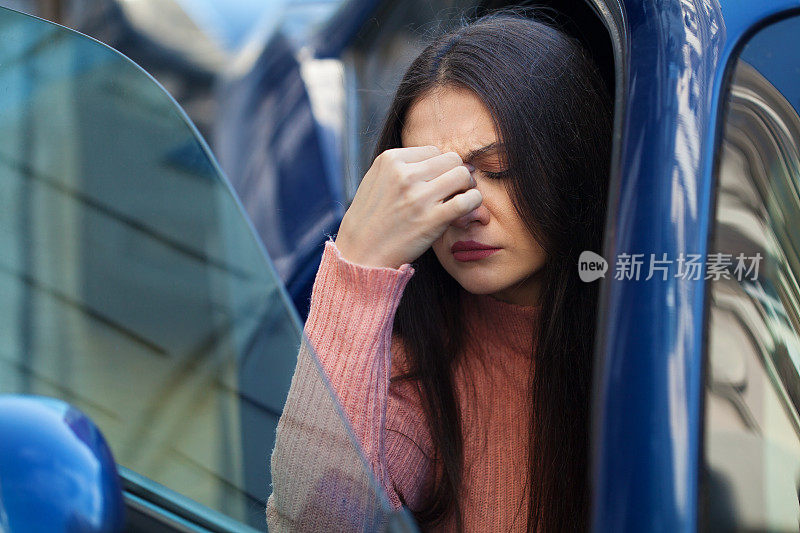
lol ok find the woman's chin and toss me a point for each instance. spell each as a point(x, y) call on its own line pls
point(477, 277)
point(478, 285)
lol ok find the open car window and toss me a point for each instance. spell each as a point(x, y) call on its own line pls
point(132, 285)
point(751, 448)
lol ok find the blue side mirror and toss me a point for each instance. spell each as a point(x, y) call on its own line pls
point(56, 470)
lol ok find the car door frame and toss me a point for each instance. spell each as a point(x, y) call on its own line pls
point(650, 347)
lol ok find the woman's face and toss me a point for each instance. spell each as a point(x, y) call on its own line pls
point(455, 120)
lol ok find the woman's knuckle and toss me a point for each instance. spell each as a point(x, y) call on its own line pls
point(405, 196)
point(388, 157)
point(404, 178)
point(408, 197)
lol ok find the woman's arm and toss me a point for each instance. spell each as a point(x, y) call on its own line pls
point(320, 481)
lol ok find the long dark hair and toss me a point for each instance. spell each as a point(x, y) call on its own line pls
point(553, 114)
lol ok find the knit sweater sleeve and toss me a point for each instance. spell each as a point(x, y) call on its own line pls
point(350, 328)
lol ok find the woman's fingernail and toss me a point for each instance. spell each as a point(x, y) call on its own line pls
point(470, 167)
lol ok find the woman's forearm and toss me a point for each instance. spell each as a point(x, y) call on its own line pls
point(320, 479)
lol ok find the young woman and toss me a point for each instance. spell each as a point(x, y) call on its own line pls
point(448, 314)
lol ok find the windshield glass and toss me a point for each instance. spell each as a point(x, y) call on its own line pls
point(132, 286)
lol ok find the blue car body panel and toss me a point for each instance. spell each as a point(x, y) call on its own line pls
point(58, 473)
point(651, 333)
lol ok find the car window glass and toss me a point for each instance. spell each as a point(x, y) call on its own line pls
point(132, 286)
point(751, 473)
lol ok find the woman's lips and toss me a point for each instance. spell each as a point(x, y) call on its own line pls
point(471, 250)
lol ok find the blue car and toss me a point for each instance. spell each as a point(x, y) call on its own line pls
point(148, 337)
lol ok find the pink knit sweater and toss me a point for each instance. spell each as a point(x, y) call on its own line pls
point(316, 484)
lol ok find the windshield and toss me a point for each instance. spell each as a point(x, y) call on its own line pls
point(131, 283)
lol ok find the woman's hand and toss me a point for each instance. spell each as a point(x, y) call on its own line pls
point(405, 202)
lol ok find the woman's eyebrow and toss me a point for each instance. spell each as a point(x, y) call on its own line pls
point(478, 152)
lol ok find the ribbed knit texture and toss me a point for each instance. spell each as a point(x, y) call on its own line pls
point(350, 327)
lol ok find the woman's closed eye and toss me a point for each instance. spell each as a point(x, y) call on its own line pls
point(502, 174)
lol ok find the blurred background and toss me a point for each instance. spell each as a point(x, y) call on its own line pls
point(289, 93)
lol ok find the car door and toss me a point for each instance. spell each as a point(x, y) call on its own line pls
point(133, 286)
point(695, 399)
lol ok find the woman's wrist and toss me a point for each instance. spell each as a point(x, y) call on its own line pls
point(358, 256)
